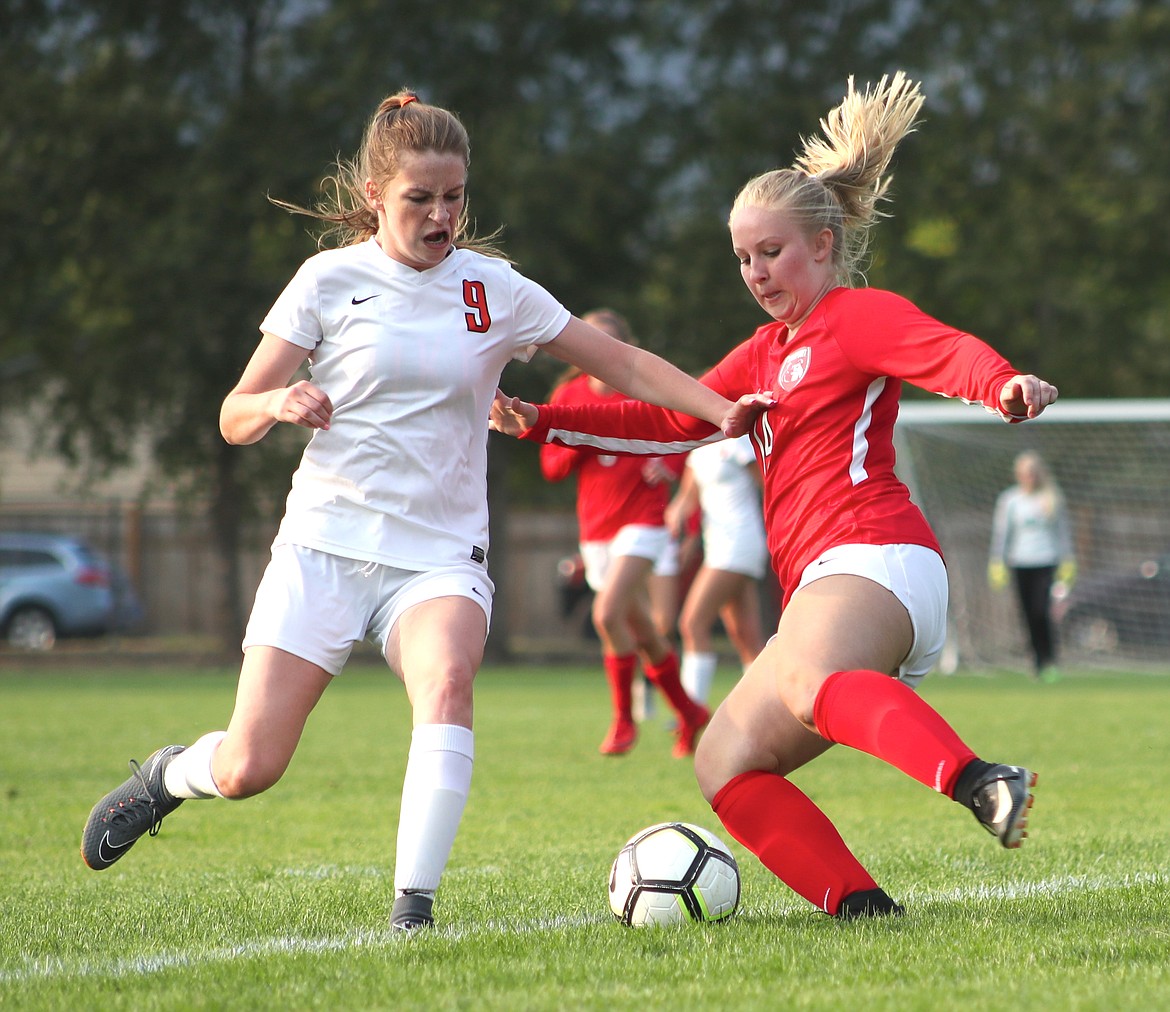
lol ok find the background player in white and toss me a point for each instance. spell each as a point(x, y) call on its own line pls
point(865, 586)
point(406, 328)
point(722, 481)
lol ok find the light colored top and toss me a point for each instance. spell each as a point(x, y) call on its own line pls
point(728, 494)
point(1030, 529)
point(411, 360)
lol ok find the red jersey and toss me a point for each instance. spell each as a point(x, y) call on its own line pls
point(611, 489)
point(826, 448)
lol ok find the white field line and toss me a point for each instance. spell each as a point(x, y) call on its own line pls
point(54, 968)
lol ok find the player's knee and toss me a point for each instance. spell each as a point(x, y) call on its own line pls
point(707, 769)
point(608, 619)
point(689, 628)
point(444, 694)
point(247, 775)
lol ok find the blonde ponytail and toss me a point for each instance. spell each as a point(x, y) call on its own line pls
point(839, 179)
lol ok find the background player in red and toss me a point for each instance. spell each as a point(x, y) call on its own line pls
point(621, 502)
point(864, 581)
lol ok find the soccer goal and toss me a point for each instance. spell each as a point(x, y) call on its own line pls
point(1112, 462)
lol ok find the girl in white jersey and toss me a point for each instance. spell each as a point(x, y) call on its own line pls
point(406, 328)
point(864, 583)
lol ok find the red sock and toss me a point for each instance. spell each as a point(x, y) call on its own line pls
point(619, 672)
point(792, 838)
point(874, 713)
point(664, 675)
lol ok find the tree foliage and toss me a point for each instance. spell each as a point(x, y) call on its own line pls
point(139, 140)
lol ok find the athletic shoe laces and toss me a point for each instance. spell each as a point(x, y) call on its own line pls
point(128, 812)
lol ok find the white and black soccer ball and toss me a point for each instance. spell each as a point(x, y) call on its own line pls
point(672, 873)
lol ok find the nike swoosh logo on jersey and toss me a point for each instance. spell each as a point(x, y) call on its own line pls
point(355, 301)
point(105, 842)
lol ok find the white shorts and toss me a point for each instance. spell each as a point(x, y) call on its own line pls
point(639, 540)
point(317, 605)
point(915, 575)
point(735, 548)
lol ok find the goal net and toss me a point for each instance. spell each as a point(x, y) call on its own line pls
point(1112, 462)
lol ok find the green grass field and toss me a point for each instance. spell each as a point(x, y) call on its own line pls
point(281, 901)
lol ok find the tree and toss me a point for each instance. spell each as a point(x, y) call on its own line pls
point(152, 251)
point(138, 142)
point(1029, 206)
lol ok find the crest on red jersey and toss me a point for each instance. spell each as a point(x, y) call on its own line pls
point(794, 368)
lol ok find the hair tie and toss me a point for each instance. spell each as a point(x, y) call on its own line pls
point(404, 102)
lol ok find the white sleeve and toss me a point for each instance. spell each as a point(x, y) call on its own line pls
point(296, 314)
point(538, 317)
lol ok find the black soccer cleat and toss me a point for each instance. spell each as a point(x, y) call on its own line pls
point(868, 903)
point(123, 815)
point(412, 910)
point(1001, 800)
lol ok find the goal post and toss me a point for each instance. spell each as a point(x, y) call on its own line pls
point(1111, 459)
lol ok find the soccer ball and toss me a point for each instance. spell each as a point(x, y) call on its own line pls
point(672, 873)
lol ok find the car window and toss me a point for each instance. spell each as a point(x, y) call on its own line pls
point(27, 558)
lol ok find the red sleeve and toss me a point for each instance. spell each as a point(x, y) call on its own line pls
point(634, 427)
point(884, 334)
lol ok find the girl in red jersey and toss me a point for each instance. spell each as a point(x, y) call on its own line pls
point(865, 589)
point(621, 505)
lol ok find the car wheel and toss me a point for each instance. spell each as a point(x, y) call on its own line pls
point(31, 628)
point(1094, 634)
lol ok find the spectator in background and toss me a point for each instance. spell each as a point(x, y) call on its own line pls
point(1031, 542)
point(621, 502)
point(721, 481)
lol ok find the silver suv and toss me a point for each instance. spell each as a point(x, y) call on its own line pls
point(51, 586)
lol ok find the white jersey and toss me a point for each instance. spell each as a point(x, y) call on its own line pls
point(729, 499)
point(726, 488)
point(411, 360)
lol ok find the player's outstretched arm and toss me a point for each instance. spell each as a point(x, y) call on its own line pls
point(635, 372)
point(1026, 396)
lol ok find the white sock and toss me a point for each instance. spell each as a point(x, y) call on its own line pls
point(434, 793)
point(188, 775)
point(697, 673)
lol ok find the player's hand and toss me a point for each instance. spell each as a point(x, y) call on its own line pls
point(510, 415)
point(1066, 573)
point(1026, 396)
point(654, 472)
point(741, 416)
point(997, 575)
point(302, 404)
